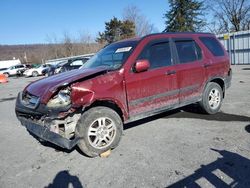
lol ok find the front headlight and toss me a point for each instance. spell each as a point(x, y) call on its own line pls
point(62, 99)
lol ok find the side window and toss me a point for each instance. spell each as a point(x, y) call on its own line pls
point(19, 66)
point(188, 51)
point(213, 45)
point(76, 63)
point(159, 55)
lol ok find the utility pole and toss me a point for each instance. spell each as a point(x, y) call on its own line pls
point(25, 57)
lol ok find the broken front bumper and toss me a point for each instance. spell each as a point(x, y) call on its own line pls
point(25, 115)
point(45, 134)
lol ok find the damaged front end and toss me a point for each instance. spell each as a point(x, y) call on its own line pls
point(54, 122)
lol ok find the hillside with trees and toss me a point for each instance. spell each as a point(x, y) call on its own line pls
point(39, 53)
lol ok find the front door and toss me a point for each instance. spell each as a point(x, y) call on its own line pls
point(157, 87)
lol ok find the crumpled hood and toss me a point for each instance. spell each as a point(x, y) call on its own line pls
point(45, 87)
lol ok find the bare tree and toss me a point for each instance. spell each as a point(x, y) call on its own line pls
point(142, 24)
point(54, 49)
point(67, 44)
point(230, 15)
point(86, 42)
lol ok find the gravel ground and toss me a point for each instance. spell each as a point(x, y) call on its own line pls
point(175, 149)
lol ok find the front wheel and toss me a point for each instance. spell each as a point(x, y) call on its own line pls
point(212, 98)
point(100, 129)
point(6, 74)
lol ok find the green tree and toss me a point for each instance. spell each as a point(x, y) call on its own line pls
point(116, 30)
point(127, 29)
point(185, 15)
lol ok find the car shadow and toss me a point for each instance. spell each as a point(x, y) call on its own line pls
point(55, 147)
point(192, 112)
point(51, 145)
point(245, 69)
point(64, 179)
point(7, 99)
point(247, 128)
point(230, 170)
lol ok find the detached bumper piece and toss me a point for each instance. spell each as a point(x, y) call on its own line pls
point(45, 134)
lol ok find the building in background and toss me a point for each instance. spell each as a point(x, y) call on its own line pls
point(237, 45)
point(9, 63)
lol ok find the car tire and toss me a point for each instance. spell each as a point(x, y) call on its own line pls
point(34, 73)
point(6, 74)
point(212, 98)
point(99, 129)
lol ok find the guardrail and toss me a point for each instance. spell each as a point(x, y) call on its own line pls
point(55, 61)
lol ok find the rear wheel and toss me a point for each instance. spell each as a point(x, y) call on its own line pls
point(34, 73)
point(100, 129)
point(212, 98)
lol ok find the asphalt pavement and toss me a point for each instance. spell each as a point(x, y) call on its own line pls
point(174, 149)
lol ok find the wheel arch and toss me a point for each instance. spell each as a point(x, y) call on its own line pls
point(110, 104)
point(219, 81)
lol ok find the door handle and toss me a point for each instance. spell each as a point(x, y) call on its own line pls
point(207, 65)
point(170, 72)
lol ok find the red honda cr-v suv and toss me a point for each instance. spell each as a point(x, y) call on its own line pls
point(125, 81)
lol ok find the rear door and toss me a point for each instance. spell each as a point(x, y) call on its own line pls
point(157, 87)
point(218, 62)
point(190, 69)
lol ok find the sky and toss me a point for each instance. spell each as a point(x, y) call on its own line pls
point(35, 21)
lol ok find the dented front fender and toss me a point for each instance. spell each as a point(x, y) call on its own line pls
point(106, 87)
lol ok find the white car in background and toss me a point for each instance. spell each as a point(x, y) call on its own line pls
point(13, 70)
point(3, 70)
point(37, 71)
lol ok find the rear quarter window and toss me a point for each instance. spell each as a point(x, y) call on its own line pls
point(212, 45)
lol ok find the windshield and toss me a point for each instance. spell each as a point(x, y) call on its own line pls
point(113, 55)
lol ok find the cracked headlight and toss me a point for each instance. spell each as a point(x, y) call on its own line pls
point(62, 99)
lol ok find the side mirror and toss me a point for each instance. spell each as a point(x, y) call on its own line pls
point(142, 65)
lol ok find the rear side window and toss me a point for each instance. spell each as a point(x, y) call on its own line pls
point(158, 54)
point(188, 51)
point(213, 46)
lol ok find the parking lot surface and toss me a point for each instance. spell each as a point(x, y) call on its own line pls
point(174, 149)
